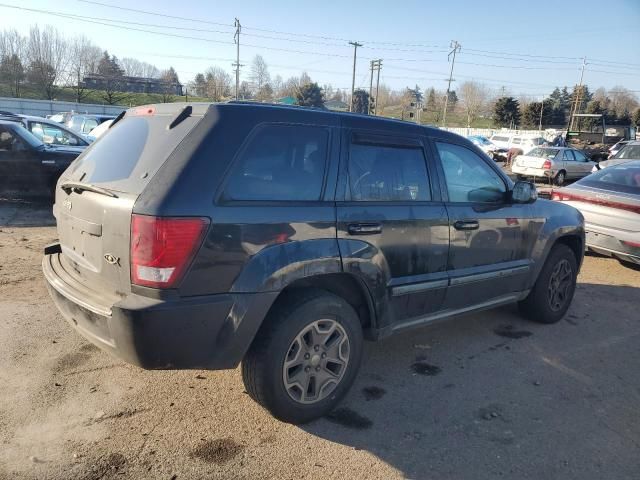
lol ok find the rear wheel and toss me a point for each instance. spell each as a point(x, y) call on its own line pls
point(553, 291)
point(305, 357)
point(560, 178)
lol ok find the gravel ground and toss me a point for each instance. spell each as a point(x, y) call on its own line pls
point(483, 396)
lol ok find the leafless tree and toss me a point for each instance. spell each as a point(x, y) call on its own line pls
point(12, 60)
point(218, 83)
point(623, 101)
point(84, 57)
point(259, 73)
point(473, 97)
point(135, 68)
point(47, 54)
point(383, 100)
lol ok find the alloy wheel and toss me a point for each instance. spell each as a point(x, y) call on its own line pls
point(316, 361)
point(559, 285)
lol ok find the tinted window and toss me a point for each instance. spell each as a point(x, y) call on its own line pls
point(568, 156)
point(468, 177)
point(131, 154)
point(618, 178)
point(387, 174)
point(281, 162)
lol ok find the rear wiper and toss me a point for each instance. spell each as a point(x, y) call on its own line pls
point(79, 187)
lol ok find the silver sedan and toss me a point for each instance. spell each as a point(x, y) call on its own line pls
point(610, 202)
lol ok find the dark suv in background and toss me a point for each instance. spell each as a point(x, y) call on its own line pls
point(202, 236)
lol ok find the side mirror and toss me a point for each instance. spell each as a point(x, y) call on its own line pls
point(524, 192)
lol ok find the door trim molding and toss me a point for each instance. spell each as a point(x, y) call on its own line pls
point(479, 277)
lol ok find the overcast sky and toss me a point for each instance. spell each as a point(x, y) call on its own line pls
point(527, 48)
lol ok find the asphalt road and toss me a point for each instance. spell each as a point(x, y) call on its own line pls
point(480, 397)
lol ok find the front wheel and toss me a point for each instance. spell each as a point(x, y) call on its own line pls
point(305, 357)
point(553, 291)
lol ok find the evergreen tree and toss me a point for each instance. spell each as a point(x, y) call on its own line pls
point(360, 101)
point(310, 95)
point(506, 112)
point(431, 100)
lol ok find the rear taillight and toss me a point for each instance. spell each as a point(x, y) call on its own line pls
point(546, 165)
point(631, 244)
point(162, 248)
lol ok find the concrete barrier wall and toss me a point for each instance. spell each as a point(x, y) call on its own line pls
point(42, 108)
point(487, 132)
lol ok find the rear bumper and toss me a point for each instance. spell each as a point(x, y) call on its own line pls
point(610, 245)
point(532, 171)
point(205, 332)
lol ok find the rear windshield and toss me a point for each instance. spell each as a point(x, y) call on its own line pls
point(629, 151)
point(130, 153)
point(618, 178)
point(549, 153)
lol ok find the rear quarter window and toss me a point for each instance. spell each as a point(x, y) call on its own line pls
point(280, 163)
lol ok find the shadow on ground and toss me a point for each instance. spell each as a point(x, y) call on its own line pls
point(25, 211)
point(494, 395)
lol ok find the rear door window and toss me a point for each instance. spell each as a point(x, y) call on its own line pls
point(381, 173)
point(568, 156)
point(280, 163)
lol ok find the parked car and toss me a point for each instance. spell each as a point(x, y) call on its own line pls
point(630, 151)
point(508, 141)
point(99, 130)
point(614, 149)
point(85, 123)
point(488, 147)
point(202, 236)
point(610, 202)
point(49, 131)
point(557, 163)
point(28, 164)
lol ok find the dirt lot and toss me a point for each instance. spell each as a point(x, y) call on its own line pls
point(484, 396)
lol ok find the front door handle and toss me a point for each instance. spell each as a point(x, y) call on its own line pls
point(364, 228)
point(466, 225)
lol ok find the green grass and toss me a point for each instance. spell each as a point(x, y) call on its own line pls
point(454, 119)
point(96, 96)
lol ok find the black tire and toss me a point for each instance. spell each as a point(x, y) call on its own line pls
point(262, 366)
point(560, 178)
point(538, 306)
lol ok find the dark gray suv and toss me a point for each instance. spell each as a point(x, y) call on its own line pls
point(205, 235)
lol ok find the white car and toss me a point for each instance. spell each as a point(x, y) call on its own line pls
point(557, 163)
point(99, 130)
point(526, 144)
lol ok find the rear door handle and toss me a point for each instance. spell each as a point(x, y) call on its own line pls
point(466, 225)
point(364, 228)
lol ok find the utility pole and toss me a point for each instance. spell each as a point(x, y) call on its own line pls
point(455, 49)
point(236, 40)
point(353, 80)
point(577, 101)
point(375, 65)
point(378, 84)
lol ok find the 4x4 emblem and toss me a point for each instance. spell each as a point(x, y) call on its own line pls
point(110, 259)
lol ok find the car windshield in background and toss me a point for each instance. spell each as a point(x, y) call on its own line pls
point(618, 178)
point(549, 153)
point(538, 141)
point(629, 151)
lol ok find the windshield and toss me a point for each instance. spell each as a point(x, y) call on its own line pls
point(538, 141)
point(549, 153)
point(619, 178)
point(628, 151)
